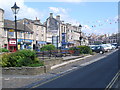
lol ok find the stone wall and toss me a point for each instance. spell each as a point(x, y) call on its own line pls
point(32, 70)
point(22, 70)
point(53, 61)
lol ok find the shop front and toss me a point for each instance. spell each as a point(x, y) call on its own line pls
point(24, 44)
point(12, 45)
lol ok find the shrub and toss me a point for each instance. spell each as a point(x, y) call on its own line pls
point(48, 47)
point(4, 50)
point(84, 50)
point(20, 58)
point(4, 59)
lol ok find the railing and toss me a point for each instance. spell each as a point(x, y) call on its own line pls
point(57, 53)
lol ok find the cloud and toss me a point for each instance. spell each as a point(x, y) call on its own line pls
point(24, 12)
point(64, 15)
point(57, 10)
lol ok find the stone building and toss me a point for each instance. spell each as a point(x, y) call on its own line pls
point(24, 36)
point(62, 34)
point(53, 26)
point(39, 29)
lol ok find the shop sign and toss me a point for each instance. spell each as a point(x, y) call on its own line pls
point(12, 42)
point(26, 40)
point(11, 30)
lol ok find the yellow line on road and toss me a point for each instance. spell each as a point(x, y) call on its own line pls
point(50, 80)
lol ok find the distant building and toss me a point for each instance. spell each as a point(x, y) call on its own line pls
point(63, 34)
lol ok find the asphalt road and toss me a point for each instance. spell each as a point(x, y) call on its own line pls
point(96, 75)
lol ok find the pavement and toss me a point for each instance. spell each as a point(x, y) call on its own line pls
point(27, 81)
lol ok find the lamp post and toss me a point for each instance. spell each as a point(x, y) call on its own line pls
point(80, 34)
point(15, 10)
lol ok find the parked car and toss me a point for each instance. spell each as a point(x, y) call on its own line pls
point(109, 46)
point(106, 48)
point(113, 47)
point(99, 49)
point(93, 47)
point(115, 44)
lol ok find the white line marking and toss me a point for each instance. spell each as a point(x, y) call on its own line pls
point(112, 81)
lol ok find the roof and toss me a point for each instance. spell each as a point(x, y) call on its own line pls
point(20, 26)
point(35, 22)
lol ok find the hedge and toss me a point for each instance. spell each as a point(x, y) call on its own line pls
point(48, 47)
point(82, 49)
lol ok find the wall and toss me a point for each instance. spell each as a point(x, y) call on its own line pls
point(32, 70)
point(2, 40)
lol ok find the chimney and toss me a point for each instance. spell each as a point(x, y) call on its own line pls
point(36, 18)
point(51, 15)
point(58, 17)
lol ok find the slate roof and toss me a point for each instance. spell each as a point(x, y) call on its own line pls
point(20, 26)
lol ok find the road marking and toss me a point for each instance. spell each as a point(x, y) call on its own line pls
point(52, 79)
point(112, 81)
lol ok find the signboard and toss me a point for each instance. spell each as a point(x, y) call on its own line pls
point(11, 30)
point(26, 40)
point(12, 42)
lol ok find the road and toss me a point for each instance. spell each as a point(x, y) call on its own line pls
point(96, 75)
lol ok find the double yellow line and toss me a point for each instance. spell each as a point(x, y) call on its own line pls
point(51, 79)
point(113, 81)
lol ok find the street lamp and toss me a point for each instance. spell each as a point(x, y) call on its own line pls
point(15, 10)
point(80, 34)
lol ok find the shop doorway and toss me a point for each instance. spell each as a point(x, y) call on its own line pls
point(12, 48)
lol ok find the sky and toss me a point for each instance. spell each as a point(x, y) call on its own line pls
point(94, 16)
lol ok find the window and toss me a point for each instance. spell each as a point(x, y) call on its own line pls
point(29, 35)
point(11, 34)
point(42, 35)
point(5, 33)
point(21, 34)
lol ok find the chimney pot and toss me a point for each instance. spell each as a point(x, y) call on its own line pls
point(58, 17)
point(51, 15)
